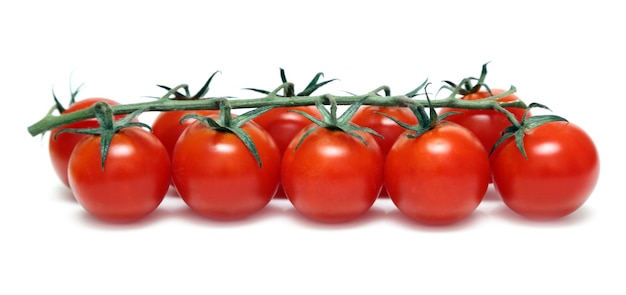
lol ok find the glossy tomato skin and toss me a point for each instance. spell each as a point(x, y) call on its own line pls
point(283, 125)
point(439, 177)
point(134, 181)
point(368, 116)
point(487, 125)
point(555, 180)
point(61, 147)
point(168, 127)
point(332, 177)
point(218, 177)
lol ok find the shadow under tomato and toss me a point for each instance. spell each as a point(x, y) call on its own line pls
point(576, 217)
point(491, 195)
point(64, 194)
point(96, 222)
point(166, 209)
point(372, 215)
point(171, 192)
point(467, 222)
point(184, 212)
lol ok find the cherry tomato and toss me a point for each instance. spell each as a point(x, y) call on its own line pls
point(487, 125)
point(283, 125)
point(332, 176)
point(439, 177)
point(557, 177)
point(218, 177)
point(133, 182)
point(61, 147)
point(168, 127)
point(368, 116)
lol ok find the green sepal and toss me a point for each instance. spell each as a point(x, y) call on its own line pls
point(289, 91)
point(466, 86)
point(448, 114)
point(419, 88)
point(108, 127)
point(332, 122)
point(73, 94)
point(527, 123)
point(425, 121)
point(227, 124)
point(314, 85)
point(187, 96)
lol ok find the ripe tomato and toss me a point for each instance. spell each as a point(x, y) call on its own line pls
point(218, 177)
point(61, 147)
point(487, 125)
point(440, 176)
point(558, 175)
point(332, 176)
point(283, 125)
point(368, 116)
point(133, 182)
point(167, 126)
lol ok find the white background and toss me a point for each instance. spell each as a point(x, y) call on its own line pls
point(569, 56)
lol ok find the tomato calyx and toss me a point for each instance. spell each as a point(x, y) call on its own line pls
point(466, 87)
point(187, 96)
point(289, 89)
point(58, 106)
point(518, 128)
point(425, 121)
point(108, 126)
point(229, 124)
point(331, 121)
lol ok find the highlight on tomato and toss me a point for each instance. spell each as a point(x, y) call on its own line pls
point(60, 147)
point(280, 122)
point(119, 172)
point(437, 172)
point(545, 167)
point(226, 167)
point(332, 170)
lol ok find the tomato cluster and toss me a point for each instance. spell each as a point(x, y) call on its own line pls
point(435, 167)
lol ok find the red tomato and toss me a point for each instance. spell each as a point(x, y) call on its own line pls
point(487, 125)
point(283, 125)
point(167, 126)
point(558, 176)
point(439, 177)
point(332, 176)
point(367, 116)
point(61, 147)
point(134, 181)
point(218, 177)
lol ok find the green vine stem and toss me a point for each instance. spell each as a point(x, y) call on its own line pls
point(165, 104)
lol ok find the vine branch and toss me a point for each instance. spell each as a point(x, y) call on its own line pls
point(165, 104)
